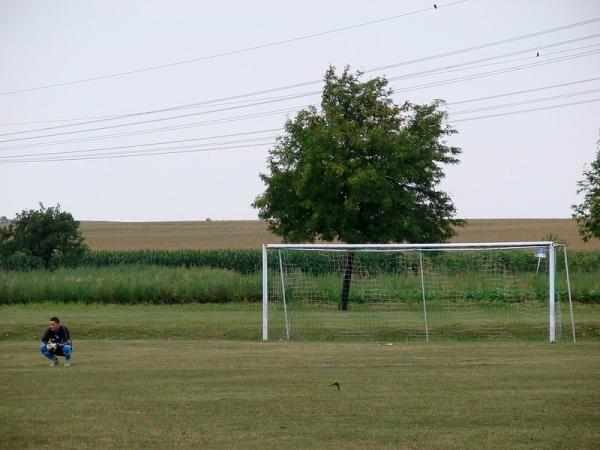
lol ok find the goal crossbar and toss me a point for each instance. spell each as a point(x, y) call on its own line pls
point(453, 246)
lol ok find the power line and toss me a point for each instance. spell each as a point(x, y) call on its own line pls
point(223, 99)
point(244, 117)
point(124, 147)
point(490, 44)
point(524, 91)
point(278, 129)
point(492, 73)
point(234, 52)
point(473, 64)
point(408, 62)
point(160, 119)
point(267, 140)
point(249, 103)
point(543, 108)
point(171, 152)
point(256, 145)
point(263, 114)
point(271, 143)
point(261, 140)
point(489, 97)
point(119, 116)
point(151, 144)
point(195, 124)
point(156, 130)
point(194, 148)
point(524, 102)
point(35, 122)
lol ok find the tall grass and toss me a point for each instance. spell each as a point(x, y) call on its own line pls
point(129, 284)
point(153, 284)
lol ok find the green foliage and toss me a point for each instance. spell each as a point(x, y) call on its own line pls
point(587, 213)
point(361, 169)
point(247, 261)
point(166, 285)
point(239, 260)
point(21, 262)
point(41, 235)
point(243, 261)
point(582, 261)
point(129, 285)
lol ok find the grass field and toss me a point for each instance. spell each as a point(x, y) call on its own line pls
point(196, 375)
point(219, 394)
point(243, 321)
point(252, 233)
point(171, 377)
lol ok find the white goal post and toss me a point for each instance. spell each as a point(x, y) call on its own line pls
point(407, 291)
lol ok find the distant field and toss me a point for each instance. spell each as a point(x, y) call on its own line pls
point(252, 233)
point(176, 235)
point(484, 230)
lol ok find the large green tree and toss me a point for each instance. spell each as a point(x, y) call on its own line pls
point(587, 213)
point(360, 169)
point(42, 233)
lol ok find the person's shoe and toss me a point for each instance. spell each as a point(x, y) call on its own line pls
point(67, 362)
point(54, 363)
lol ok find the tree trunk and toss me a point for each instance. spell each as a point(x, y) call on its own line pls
point(347, 281)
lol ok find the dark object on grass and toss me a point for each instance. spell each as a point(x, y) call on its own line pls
point(337, 385)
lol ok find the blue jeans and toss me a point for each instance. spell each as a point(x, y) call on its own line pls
point(62, 350)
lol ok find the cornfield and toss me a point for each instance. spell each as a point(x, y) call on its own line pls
point(247, 261)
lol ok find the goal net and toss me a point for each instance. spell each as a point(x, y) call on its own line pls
point(517, 290)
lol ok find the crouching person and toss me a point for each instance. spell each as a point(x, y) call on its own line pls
point(56, 341)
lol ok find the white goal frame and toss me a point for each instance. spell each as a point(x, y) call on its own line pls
point(549, 245)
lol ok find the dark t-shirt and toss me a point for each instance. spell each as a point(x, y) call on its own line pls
point(60, 337)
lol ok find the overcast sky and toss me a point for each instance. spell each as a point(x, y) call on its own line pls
point(520, 165)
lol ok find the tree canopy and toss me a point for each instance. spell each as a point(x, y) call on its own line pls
point(587, 213)
point(42, 233)
point(360, 169)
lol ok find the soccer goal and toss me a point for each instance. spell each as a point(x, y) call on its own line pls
point(398, 292)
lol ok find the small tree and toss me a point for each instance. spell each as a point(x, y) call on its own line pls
point(587, 213)
point(42, 233)
point(360, 170)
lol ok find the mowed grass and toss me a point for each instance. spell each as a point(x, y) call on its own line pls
point(254, 233)
point(243, 321)
point(232, 394)
point(197, 376)
point(236, 321)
